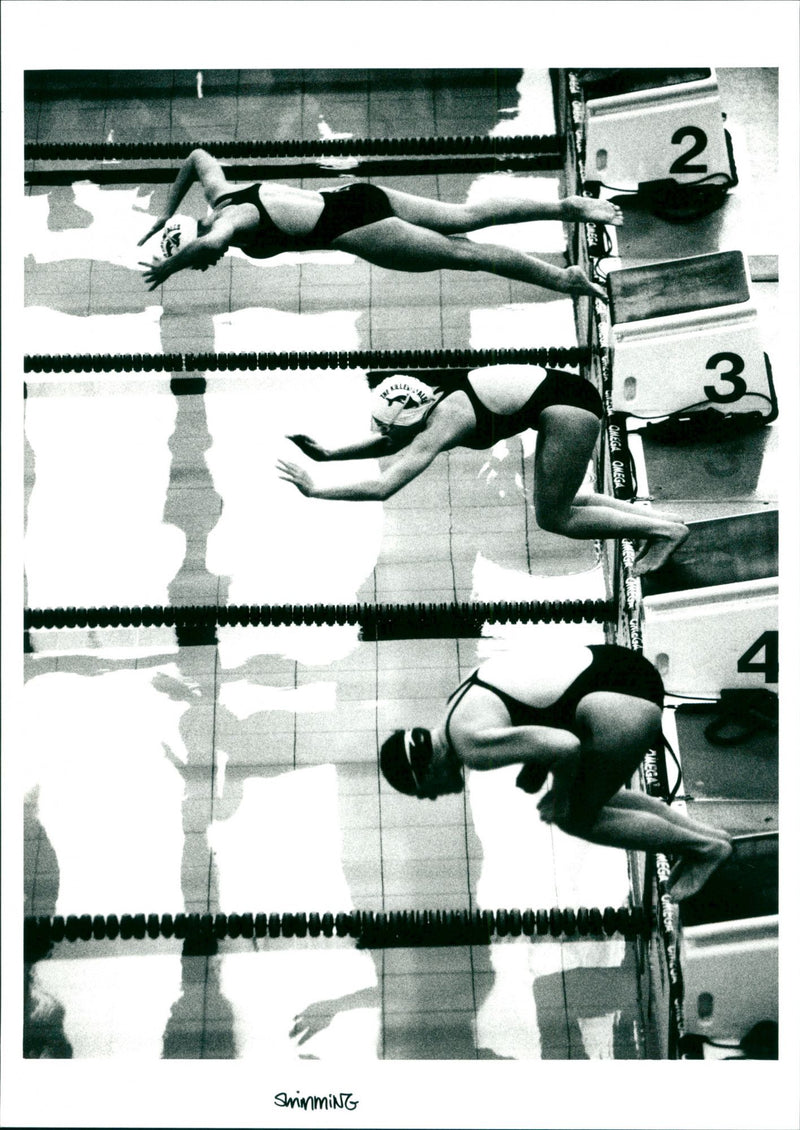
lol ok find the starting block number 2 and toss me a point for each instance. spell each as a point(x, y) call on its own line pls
point(699, 140)
point(767, 643)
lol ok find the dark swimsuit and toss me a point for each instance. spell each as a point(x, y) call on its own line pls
point(344, 209)
point(556, 388)
point(613, 668)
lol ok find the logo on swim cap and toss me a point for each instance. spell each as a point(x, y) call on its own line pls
point(402, 401)
point(177, 232)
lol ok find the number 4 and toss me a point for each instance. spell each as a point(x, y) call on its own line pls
point(768, 643)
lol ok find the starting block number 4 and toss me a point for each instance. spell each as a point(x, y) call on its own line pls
point(705, 640)
point(766, 646)
point(674, 131)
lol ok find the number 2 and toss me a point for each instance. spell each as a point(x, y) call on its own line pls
point(681, 164)
point(732, 375)
point(768, 643)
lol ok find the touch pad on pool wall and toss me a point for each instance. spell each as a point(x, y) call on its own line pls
point(720, 551)
point(679, 286)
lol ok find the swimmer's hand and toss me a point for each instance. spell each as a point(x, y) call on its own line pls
point(546, 808)
point(309, 447)
point(312, 1020)
point(157, 226)
point(198, 254)
point(531, 778)
point(156, 272)
point(295, 475)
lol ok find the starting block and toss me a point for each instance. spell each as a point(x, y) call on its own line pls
point(728, 752)
point(730, 976)
point(720, 551)
point(639, 132)
point(685, 337)
point(709, 639)
point(710, 613)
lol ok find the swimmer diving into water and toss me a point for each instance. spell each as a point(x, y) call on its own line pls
point(388, 228)
point(585, 715)
point(414, 422)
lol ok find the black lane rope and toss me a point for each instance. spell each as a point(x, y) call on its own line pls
point(532, 144)
point(117, 172)
point(201, 932)
point(385, 621)
point(554, 356)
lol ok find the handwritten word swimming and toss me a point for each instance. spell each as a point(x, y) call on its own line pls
point(344, 1100)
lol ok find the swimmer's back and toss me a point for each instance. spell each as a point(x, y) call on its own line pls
point(539, 676)
point(504, 389)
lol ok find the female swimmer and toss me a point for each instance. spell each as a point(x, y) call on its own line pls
point(413, 423)
point(585, 715)
point(386, 227)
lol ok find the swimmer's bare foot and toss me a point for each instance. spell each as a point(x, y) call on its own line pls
point(694, 869)
point(578, 282)
point(583, 209)
point(655, 550)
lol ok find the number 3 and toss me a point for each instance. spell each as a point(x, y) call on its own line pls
point(681, 164)
point(736, 367)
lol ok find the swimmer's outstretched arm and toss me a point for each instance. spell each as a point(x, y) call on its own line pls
point(371, 447)
point(198, 254)
point(200, 166)
point(398, 470)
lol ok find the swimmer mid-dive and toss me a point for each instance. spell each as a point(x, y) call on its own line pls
point(586, 716)
point(386, 227)
point(413, 423)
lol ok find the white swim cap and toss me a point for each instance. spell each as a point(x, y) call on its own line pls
point(177, 232)
point(402, 401)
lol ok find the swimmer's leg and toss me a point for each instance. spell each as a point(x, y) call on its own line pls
point(642, 545)
point(594, 499)
point(453, 219)
point(616, 731)
point(635, 798)
point(564, 446)
point(401, 246)
point(700, 854)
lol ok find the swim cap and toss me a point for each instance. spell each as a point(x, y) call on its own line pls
point(176, 233)
point(402, 402)
point(404, 758)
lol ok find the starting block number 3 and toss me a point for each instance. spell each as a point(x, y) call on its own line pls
point(767, 643)
point(647, 393)
point(685, 333)
point(733, 376)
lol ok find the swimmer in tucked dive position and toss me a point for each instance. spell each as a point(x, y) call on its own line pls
point(413, 423)
point(386, 227)
point(585, 715)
